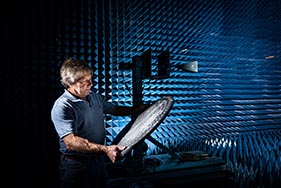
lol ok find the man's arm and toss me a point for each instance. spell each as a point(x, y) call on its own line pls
point(127, 110)
point(79, 144)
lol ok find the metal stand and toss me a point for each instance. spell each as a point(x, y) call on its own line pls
point(137, 67)
point(137, 101)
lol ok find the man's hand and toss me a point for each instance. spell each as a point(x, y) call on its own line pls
point(114, 152)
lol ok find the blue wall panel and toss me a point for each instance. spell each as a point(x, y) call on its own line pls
point(230, 108)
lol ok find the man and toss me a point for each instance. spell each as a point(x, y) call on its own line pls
point(77, 116)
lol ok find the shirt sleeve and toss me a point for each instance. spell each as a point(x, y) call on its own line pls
point(63, 118)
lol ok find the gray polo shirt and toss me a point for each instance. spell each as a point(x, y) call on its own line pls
point(70, 114)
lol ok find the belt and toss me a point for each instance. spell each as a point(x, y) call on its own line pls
point(79, 158)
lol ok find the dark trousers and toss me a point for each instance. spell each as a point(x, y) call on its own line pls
point(83, 172)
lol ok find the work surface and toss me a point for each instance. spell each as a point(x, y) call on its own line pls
point(158, 170)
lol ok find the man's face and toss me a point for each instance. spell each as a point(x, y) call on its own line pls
point(82, 87)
